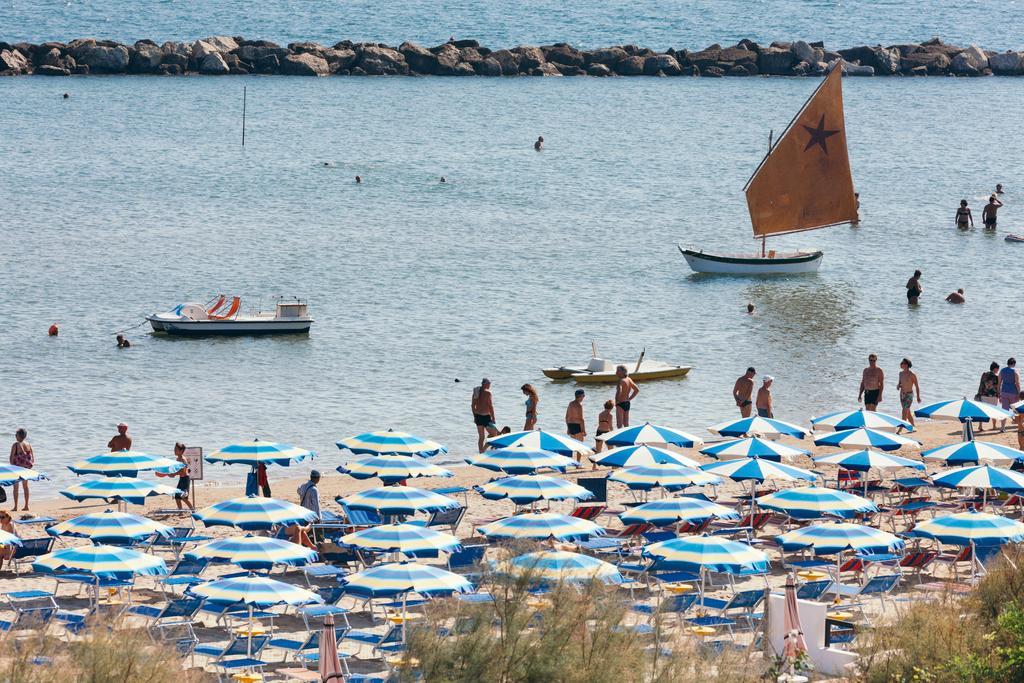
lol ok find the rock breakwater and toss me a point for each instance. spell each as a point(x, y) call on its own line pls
point(224, 55)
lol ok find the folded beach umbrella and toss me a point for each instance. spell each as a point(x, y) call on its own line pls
point(710, 553)
point(110, 526)
point(758, 469)
point(752, 447)
point(672, 510)
point(530, 488)
point(763, 426)
point(962, 410)
point(830, 538)
point(866, 459)
point(648, 433)
point(401, 538)
point(102, 561)
point(254, 591)
point(541, 526)
point(127, 489)
point(813, 502)
point(647, 477)
point(254, 552)
point(124, 464)
point(391, 469)
point(12, 473)
point(390, 442)
point(866, 438)
point(855, 419)
point(538, 439)
point(251, 513)
point(258, 452)
point(554, 566)
point(974, 453)
point(981, 477)
point(633, 456)
point(401, 578)
point(520, 460)
point(965, 528)
point(398, 500)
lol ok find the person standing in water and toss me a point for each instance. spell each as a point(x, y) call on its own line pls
point(964, 216)
point(999, 188)
point(914, 288)
point(22, 455)
point(908, 385)
point(575, 423)
point(988, 214)
point(482, 406)
point(625, 391)
point(872, 383)
point(531, 406)
point(765, 407)
point(121, 442)
point(743, 390)
point(957, 297)
point(539, 145)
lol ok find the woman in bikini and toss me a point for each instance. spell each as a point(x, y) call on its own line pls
point(22, 455)
point(531, 406)
point(963, 216)
point(6, 524)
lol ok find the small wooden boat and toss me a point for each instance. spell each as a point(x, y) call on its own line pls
point(225, 317)
point(601, 371)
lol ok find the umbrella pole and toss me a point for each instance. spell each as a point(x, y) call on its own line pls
point(249, 636)
point(703, 582)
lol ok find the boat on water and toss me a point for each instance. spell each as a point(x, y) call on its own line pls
point(803, 183)
point(225, 317)
point(601, 371)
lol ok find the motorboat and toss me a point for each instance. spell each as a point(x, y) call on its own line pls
point(601, 371)
point(224, 316)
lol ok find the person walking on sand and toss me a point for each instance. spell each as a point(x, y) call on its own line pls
point(908, 386)
point(531, 406)
point(575, 423)
point(121, 442)
point(914, 288)
point(625, 391)
point(22, 455)
point(1009, 387)
point(604, 425)
point(872, 383)
point(988, 214)
point(743, 390)
point(482, 406)
point(963, 216)
point(763, 402)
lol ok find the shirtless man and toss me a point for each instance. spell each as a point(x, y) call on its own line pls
point(625, 391)
point(765, 408)
point(575, 424)
point(914, 288)
point(872, 382)
point(988, 214)
point(483, 413)
point(743, 390)
point(121, 442)
point(957, 297)
point(999, 188)
point(908, 386)
point(539, 145)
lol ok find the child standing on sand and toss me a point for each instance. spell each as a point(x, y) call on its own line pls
point(604, 423)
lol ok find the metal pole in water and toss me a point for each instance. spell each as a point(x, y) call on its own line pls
point(243, 114)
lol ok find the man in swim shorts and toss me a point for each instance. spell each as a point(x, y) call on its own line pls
point(575, 424)
point(872, 382)
point(988, 214)
point(914, 288)
point(765, 406)
point(483, 413)
point(907, 384)
point(625, 391)
point(742, 390)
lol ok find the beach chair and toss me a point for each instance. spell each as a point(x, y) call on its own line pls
point(749, 525)
point(32, 608)
point(878, 588)
point(29, 550)
point(358, 519)
point(744, 601)
point(632, 531)
point(954, 560)
point(239, 653)
point(296, 646)
point(313, 615)
point(657, 536)
point(467, 560)
point(697, 527)
point(388, 642)
point(184, 574)
point(179, 538)
point(221, 612)
point(917, 561)
point(588, 512)
point(312, 572)
point(447, 518)
point(176, 614)
point(813, 590)
point(674, 604)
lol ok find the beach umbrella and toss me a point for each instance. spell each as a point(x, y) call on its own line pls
point(963, 410)
point(705, 554)
point(109, 526)
point(128, 489)
point(632, 456)
point(7, 538)
point(391, 469)
point(965, 528)
point(855, 419)
point(520, 460)
point(752, 447)
point(529, 488)
point(647, 477)
point(973, 453)
point(866, 459)
point(254, 552)
point(672, 510)
point(10, 474)
point(256, 452)
point(762, 426)
point(555, 566)
point(102, 561)
point(983, 477)
point(793, 643)
point(330, 665)
point(124, 464)
point(830, 538)
point(866, 438)
point(538, 439)
point(390, 442)
point(812, 502)
point(401, 538)
point(398, 500)
point(251, 513)
point(648, 433)
point(541, 526)
point(401, 578)
point(758, 469)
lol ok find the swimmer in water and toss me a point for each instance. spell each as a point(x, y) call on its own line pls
point(443, 179)
point(539, 145)
point(963, 216)
point(359, 180)
point(999, 188)
point(957, 297)
point(750, 309)
point(123, 343)
point(67, 96)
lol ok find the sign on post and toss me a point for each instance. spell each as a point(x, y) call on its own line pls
point(193, 456)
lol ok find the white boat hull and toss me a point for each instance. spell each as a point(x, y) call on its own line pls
point(201, 328)
point(780, 264)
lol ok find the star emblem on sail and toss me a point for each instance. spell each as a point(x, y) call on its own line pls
point(819, 135)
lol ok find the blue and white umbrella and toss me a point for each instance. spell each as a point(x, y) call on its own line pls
point(258, 452)
point(633, 456)
point(559, 566)
point(669, 511)
point(254, 552)
point(401, 538)
point(538, 439)
point(758, 469)
point(530, 488)
point(254, 591)
point(971, 527)
point(541, 526)
point(962, 410)
point(401, 578)
point(251, 513)
point(983, 477)
point(973, 453)
point(814, 502)
point(127, 489)
point(110, 527)
point(101, 561)
point(708, 553)
point(519, 460)
point(855, 419)
point(390, 442)
point(647, 477)
point(398, 500)
point(391, 469)
point(831, 538)
point(10, 474)
point(866, 438)
point(648, 433)
point(124, 464)
point(866, 459)
point(759, 426)
point(752, 447)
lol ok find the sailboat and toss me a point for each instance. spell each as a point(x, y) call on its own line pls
point(803, 183)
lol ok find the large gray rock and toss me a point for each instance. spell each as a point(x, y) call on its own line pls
point(935, 62)
point(547, 69)
point(52, 57)
point(145, 60)
point(509, 61)
point(420, 59)
point(221, 43)
point(488, 67)
point(737, 55)
point(776, 61)
point(803, 52)
point(50, 70)
point(382, 61)
point(449, 58)
point(630, 66)
point(175, 48)
point(213, 64)
point(607, 56)
point(969, 62)
point(201, 48)
point(173, 59)
point(305, 64)
point(338, 59)
point(665, 64)
point(856, 69)
point(104, 60)
point(529, 57)
point(862, 55)
point(268, 64)
point(705, 58)
point(563, 54)
point(599, 70)
point(307, 46)
point(886, 60)
point(1007, 63)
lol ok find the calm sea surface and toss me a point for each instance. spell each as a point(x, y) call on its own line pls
point(135, 195)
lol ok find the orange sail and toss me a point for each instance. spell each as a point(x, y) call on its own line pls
point(805, 181)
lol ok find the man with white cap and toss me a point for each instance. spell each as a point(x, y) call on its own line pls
point(121, 442)
point(764, 398)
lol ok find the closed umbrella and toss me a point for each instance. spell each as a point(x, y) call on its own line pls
point(390, 442)
point(648, 433)
point(794, 644)
point(330, 665)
